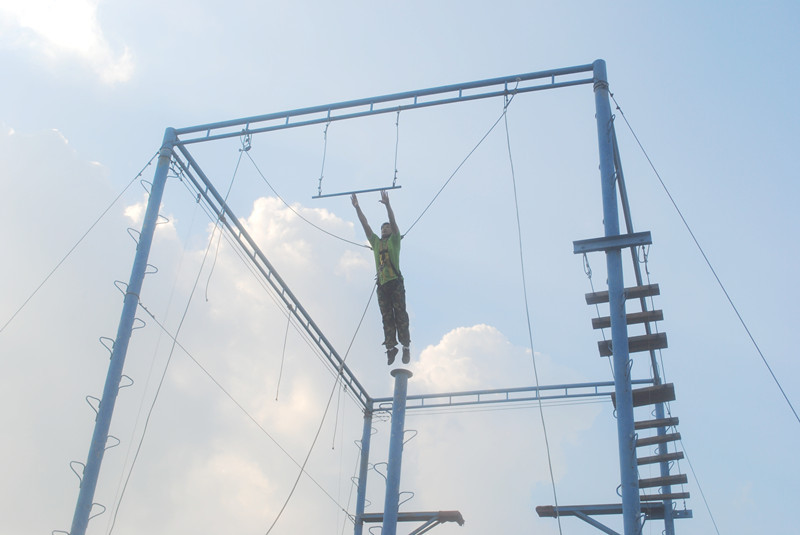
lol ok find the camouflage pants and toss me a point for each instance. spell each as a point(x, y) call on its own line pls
point(392, 302)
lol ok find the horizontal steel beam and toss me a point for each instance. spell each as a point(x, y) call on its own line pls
point(506, 395)
point(606, 243)
point(447, 94)
point(232, 224)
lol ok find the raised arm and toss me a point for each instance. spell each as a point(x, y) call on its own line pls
point(390, 212)
point(361, 216)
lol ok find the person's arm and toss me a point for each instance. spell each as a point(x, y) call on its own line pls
point(390, 212)
point(361, 216)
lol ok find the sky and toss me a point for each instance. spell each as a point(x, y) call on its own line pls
point(211, 432)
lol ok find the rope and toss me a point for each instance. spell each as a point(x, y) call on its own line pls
point(527, 310)
point(324, 415)
point(72, 249)
point(264, 178)
point(245, 148)
point(283, 355)
point(324, 153)
point(396, 146)
point(587, 269)
point(702, 494)
point(122, 486)
point(166, 367)
point(458, 168)
point(708, 262)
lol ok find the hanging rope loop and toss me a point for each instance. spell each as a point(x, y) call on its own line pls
point(324, 153)
point(396, 145)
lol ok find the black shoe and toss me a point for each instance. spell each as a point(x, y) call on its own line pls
point(406, 355)
point(391, 353)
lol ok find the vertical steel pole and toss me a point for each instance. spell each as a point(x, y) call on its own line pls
point(102, 424)
point(631, 508)
point(363, 469)
point(391, 505)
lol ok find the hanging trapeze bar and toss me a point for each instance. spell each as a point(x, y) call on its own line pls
point(394, 185)
point(320, 196)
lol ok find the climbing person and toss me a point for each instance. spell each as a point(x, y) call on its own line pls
point(391, 290)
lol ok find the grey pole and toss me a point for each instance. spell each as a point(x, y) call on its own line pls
point(391, 505)
point(361, 497)
point(102, 424)
point(631, 508)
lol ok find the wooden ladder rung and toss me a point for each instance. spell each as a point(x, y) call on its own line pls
point(650, 395)
point(636, 344)
point(661, 497)
point(633, 318)
point(661, 422)
point(658, 439)
point(678, 479)
point(634, 292)
point(665, 458)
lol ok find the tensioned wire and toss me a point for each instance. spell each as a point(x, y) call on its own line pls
point(166, 366)
point(174, 338)
point(707, 261)
point(324, 415)
point(268, 290)
point(80, 240)
point(527, 308)
point(424, 211)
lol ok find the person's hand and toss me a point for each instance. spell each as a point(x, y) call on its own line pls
point(354, 200)
point(384, 198)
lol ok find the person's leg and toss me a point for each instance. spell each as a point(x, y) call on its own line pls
point(401, 318)
point(387, 316)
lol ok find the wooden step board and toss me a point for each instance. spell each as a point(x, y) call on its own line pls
point(678, 479)
point(647, 316)
point(658, 439)
point(650, 395)
point(661, 497)
point(634, 292)
point(661, 422)
point(665, 458)
point(636, 344)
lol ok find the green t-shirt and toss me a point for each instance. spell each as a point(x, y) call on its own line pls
point(387, 256)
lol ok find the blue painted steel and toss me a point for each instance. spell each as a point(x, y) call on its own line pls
point(226, 216)
point(505, 395)
point(363, 469)
point(592, 522)
point(622, 241)
point(669, 514)
point(97, 448)
point(391, 504)
point(626, 436)
point(387, 104)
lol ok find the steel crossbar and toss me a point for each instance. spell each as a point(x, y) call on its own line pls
point(421, 98)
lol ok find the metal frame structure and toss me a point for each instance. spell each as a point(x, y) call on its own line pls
point(175, 149)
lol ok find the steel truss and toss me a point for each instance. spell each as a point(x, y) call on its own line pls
point(174, 147)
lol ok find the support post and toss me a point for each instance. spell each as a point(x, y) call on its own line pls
point(361, 497)
point(391, 505)
point(631, 508)
point(102, 424)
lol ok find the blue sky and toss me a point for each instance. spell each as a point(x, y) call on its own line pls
point(89, 88)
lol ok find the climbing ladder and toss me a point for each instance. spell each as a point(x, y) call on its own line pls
point(648, 396)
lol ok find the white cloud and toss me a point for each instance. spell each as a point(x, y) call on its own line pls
point(60, 29)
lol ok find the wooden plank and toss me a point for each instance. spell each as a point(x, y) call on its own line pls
point(661, 422)
point(650, 395)
point(634, 292)
point(658, 439)
point(667, 457)
point(633, 318)
point(661, 497)
point(677, 479)
point(636, 344)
